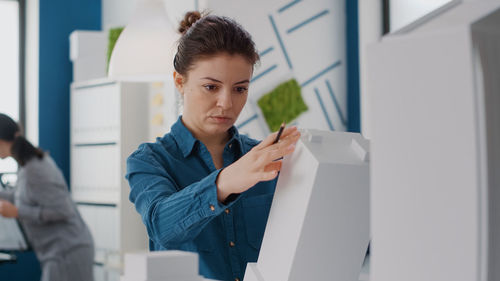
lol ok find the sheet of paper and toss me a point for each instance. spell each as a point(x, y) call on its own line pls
point(11, 237)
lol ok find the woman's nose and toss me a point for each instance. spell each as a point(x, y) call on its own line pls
point(224, 100)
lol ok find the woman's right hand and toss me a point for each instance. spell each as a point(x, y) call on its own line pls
point(7, 209)
point(259, 164)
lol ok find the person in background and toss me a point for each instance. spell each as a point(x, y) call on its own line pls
point(42, 204)
point(203, 187)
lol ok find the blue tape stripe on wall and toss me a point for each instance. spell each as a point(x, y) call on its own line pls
point(263, 73)
point(309, 20)
point(266, 51)
point(254, 117)
point(58, 18)
point(275, 28)
point(336, 103)
point(316, 76)
point(352, 42)
point(289, 5)
point(323, 108)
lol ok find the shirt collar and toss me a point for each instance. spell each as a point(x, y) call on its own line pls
point(186, 141)
point(235, 137)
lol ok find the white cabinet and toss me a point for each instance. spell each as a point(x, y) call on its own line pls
point(434, 98)
point(109, 120)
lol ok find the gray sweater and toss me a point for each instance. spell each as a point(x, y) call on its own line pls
point(47, 213)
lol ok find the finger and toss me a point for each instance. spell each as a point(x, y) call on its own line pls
point(272, 137)
point(277, 150)
point(279, 153)
point(291, 138)
point(267, 176)
point(273, 166)
point(292, 134)
point(288, 131)
point(266, 142)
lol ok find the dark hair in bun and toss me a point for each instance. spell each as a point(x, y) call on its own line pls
point(189, 19)
point(208, 35)
point(22, 150)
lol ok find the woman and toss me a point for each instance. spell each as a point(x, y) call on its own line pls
point(203, 187)
point(42, 203)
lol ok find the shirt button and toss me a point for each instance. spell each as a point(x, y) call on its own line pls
point(231, 244)
point(212, 208)
point(230, 145)
point(227, 211)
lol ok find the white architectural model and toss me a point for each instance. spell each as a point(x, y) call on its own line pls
point(318, 227)
point(11, 237)
point(161, 266)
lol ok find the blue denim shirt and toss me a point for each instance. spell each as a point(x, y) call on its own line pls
point(173, 188)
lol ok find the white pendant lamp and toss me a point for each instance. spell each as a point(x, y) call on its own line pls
point(146, 47)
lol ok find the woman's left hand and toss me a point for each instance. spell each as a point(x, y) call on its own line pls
point(8, 209)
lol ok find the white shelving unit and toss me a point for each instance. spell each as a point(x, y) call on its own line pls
point(109, 119)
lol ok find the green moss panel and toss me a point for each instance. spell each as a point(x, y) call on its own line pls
point(283, 103)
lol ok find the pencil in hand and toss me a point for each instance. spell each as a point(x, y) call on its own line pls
point(282, 127)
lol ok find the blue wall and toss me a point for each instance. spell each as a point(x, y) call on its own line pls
point(352, 33)
point(58, 18)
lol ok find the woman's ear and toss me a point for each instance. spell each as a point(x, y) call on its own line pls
point(179, 82)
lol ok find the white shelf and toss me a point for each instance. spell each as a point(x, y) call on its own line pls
point(109, 120)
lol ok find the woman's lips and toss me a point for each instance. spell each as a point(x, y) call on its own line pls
point(221, 119)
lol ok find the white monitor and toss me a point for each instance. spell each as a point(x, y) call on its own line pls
point(408, 12)
point(11, 235)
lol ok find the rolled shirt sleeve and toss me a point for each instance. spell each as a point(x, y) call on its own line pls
point(172, 215)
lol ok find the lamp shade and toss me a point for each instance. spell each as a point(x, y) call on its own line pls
point(145, 49)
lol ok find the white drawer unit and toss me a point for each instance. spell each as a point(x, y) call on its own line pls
point(99, 182)
point(109, 120)
point(103, 221)
point(101, 124)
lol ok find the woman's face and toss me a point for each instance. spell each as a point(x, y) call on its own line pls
point(214, 91)
point(5, 148)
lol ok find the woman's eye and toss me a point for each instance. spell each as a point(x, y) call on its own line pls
point(241, 89)
point(210, 87)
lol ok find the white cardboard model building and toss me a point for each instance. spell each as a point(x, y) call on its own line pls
point(318, 226)
point(160, 266)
